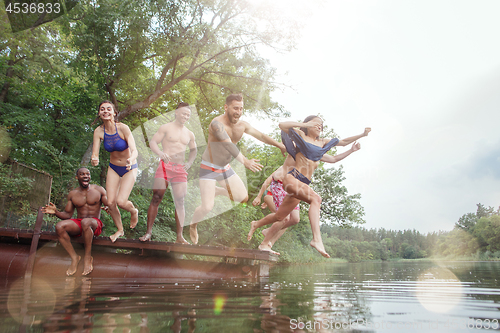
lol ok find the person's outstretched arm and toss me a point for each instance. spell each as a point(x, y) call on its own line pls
point(50, 208)
point(250, 130)
point(346, 141)
point(220, 134)
point(334, 159)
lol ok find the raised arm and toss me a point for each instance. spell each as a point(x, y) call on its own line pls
point(346, 141)
point(219, 132)
point(250, 130)
point(334, 159)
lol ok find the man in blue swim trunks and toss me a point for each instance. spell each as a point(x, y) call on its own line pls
point(223, 134)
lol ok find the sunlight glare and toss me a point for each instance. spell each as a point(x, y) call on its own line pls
point(439, 290)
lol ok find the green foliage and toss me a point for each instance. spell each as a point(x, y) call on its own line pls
point(148, 56)
point(466, 222)
point(196, 51)
point(337, 205)
point(457, 243)
point(475, 234)
point(359, 244)
point(13, 190)
point(487, 233)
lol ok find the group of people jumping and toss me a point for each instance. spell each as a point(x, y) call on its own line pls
point(288, 185)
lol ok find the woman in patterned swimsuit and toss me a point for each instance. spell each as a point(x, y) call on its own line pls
point(122, 170)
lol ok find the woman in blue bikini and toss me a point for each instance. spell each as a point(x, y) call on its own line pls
point(306, 148)
point(122, 171)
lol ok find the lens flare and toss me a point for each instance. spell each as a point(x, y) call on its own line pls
point(36, 302)
point(219, 302)
point(439, 290)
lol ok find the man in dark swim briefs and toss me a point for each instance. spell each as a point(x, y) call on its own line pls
point(223, 134)
point(174, 138)
point(87, 199)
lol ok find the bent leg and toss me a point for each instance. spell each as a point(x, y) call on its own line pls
point(221, 191)
point(126, 184)
point(293, 219)
point(305, 193)
point(286, 208)
point(158, 193)
point(89, 225)
point(268, 199)
point(236, 188)
point(179, 191)
point(273, 232)
point(207, 192)
point(64, 230)
point(112, 186)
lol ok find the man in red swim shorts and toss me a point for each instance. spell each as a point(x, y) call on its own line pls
point(174, 138)
point(87, 199)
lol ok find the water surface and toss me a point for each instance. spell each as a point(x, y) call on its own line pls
point(364, 297)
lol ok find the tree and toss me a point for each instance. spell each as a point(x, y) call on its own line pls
point(483, 211)
point(150, 54)
point(337, 205)
point(466, 222)
point(45, 106)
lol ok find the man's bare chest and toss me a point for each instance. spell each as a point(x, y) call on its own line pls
point(91, 197)
point(176, 137)
point(235, 133)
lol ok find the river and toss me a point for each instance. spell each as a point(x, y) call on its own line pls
point(413, 296)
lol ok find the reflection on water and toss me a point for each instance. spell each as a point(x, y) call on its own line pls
point(369, 297)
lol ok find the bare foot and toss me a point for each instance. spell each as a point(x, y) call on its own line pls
point(115, 236)
point(88, 266)
point(320, 247)
point(268, 249)
point(134, 218)
point(181, 240)
point(145, 238)
point(73, 267)
point(193, 233)
point(253, 227)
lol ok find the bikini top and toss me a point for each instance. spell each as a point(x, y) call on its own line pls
point(294, 144)
point(113, 142)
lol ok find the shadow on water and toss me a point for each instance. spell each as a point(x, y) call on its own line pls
point(368, 297)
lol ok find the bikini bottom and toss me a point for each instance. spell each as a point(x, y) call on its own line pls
point(294, 172)
point(121, 170)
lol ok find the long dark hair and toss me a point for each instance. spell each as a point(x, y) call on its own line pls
point(308, 118)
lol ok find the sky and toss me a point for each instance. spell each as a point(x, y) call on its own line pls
point(425, 76)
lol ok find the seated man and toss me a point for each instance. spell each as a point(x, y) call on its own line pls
point(87, 199)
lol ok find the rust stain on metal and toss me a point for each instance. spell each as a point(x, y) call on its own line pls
point(135, 258)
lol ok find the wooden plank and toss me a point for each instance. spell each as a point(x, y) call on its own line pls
point(131, 244)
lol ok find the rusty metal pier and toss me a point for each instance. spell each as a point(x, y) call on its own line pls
point(35, 252)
